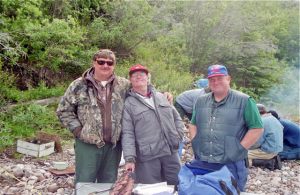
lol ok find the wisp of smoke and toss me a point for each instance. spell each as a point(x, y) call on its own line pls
point(284, 97)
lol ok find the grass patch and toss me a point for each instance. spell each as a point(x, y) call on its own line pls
point(25, 121)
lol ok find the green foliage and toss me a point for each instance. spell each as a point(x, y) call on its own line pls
point(54, 43)
point(26, 121)
point(231, 33)
point(123, 30)
point(84, 11)
point(167, 68)
point(17, 14)
point(186, 36)
point(9, 50)
point(11, 94)
point(46, 42)
point(6, 83)
point(170, 80)
point(287, 33)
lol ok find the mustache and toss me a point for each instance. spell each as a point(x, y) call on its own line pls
point(105, 68)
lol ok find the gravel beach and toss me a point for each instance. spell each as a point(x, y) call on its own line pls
point(30, 175)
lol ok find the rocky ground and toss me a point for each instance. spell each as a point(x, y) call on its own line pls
point(30, 175)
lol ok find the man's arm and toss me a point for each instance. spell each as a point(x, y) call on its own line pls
point(251, 137)
point(192, 131)
point(178, 123)
point(254, 123)
point(67, 109)
point(192, 126)
point(128, 140)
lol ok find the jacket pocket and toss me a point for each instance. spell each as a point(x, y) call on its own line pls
point(150, 150)
point(234, 151)
point(166, 112)
point(174, 141)
point(139, 112)
point(145, 150)
point(90, 136)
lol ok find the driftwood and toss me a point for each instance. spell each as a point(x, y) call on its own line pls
point(42, 102)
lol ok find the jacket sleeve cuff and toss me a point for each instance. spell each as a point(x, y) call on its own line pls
point(130, 160)
point(72, 129)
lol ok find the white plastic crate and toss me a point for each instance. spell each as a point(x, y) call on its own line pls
point(37, 150)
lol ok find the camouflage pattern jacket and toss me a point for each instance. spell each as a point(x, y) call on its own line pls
point(78, 108)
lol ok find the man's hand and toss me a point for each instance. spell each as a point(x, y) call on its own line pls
point(169, 96)
point(192, 131)
point(77, 132)
point(130, 166)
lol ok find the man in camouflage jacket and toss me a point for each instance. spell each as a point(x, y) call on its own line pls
point(92, 110)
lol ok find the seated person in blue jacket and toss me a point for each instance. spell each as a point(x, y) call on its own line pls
point(271, 142)
point(151, 132)
point(291, 138)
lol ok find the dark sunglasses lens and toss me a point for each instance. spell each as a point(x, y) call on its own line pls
point(110, 63)
point(102, 62)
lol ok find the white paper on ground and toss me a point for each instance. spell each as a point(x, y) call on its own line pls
point(153, 189)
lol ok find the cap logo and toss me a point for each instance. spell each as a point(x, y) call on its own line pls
point(217, 70)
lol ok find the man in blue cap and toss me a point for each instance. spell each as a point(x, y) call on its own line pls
point(225, 123)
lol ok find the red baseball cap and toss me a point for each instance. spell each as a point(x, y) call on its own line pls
point(137, 67)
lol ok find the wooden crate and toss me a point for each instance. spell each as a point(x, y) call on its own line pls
point(37, 150)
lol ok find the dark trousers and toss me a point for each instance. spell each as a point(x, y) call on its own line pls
point(95, 164)
point(160, 169)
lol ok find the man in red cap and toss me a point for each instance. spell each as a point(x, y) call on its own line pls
point(151, 132)
point(225, 124)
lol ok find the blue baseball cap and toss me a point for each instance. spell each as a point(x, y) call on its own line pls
point(216, 70)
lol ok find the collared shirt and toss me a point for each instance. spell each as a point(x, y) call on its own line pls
point(147, 99)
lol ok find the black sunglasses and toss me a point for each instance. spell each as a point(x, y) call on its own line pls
point(102, 62)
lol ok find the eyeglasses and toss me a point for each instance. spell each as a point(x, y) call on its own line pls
point(136, 74)
point(102, 62)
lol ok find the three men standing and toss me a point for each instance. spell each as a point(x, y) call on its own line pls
point(225, 123)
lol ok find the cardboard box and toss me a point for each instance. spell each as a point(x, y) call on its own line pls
point(34, 149)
